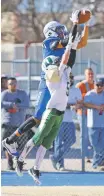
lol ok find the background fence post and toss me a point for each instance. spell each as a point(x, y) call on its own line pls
point(29, 77)
point(83, 142)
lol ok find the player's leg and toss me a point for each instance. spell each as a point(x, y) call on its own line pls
point(48, 134)
point(63, 141)
point(5, 132)
point(47, 142)
point(34, 172)
point(9, 143)
point(46, 125)
point(96, 137)
point(56, 159)
point(43, 98)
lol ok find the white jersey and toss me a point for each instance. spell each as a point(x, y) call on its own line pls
point(58, 90)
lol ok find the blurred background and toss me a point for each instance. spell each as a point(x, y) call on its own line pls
point(23, 20)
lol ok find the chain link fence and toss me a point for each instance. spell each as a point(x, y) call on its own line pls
point(27, 72)
point(94, 51)
point(71, 148)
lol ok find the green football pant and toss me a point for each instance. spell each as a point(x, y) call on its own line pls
point(48, 128)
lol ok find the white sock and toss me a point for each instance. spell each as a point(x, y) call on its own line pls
point(39, 157)
point(28, 147)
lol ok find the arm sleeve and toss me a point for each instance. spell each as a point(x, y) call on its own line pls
point(72, 58)
point(83, 41)
point(4, 101)
point(70, 63)
point(74, 31)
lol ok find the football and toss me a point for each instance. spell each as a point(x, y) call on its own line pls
point(83, 16)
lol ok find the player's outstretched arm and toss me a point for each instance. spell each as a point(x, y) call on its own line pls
point(65, 62)
point(71, 45)
point(85, 32)
point(66, 54)
point(74, 47)
point(84, 37)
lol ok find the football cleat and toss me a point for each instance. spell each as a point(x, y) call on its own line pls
point(35, 175)
point(11, 148)
point(19, 167)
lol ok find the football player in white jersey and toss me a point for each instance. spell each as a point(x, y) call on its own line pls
point(57, 79)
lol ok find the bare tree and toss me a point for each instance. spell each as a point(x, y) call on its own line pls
point(61, 10)
point(10, 5)
point(36, 13)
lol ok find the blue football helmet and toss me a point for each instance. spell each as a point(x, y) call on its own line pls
point(54, 29)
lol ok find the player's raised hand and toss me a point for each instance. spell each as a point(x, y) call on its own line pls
point(74, 17)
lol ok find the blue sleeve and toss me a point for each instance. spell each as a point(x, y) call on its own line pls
point(4, 101)
point(24, 101)
point(48, 48)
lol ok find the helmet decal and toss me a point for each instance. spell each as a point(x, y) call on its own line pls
point(50, 61)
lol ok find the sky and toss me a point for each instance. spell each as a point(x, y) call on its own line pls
point(44, 5)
